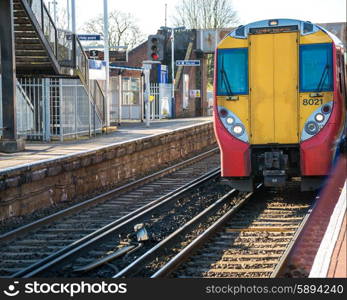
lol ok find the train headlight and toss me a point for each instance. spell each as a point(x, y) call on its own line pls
point(238, 129)
point(319, 117)
point(230, 120)
point(232, 123)
point(317, 120)
point(223, 113)
point(311, 128)
point(326, 109)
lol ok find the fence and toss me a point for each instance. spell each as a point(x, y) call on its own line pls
point(25, 112)
point(62, 108)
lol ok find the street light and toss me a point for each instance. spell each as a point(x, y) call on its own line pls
point(107, 59)
point(173, 63)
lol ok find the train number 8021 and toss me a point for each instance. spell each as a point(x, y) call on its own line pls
point(312, 102)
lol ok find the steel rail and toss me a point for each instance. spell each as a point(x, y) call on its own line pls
point(102, 197)
point(95, 238)
point(278, 271)
point(179, 258)
point(146, 257)
point(174, 263)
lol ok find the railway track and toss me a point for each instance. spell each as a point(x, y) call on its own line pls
point(28, 250)
point(251, 241)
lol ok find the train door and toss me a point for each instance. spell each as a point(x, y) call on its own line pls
point(273, 88)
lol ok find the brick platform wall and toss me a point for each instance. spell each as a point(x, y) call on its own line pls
point(26, 189)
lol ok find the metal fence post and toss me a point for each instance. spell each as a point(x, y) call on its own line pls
point(75, 112)
point(141, 96)
point(160, 100)
point(120, 99)
point(61, 112)
point(46, 110)
point(94, 116)
point(89, 109)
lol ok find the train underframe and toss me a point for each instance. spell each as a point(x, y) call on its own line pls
point(274, 165)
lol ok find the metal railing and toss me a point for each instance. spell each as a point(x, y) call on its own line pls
point(98, 97)
point(63, 109)
point(78, 113)
point(81, 62)
point(46, 23)
point(66, 48)
point(24, 113)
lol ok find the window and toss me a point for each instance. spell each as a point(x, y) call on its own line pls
point(232, 77)
point(316, 68)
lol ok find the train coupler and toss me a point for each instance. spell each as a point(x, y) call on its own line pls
point(274, 178)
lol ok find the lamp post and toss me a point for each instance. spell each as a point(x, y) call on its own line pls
point(54, 10)
point(68, 15)
point(173, 64)
point(73, 17)
point(107, 60)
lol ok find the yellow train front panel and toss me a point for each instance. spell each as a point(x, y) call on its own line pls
point(273, 88)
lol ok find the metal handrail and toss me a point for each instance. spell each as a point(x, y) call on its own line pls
point(44, 8)
point(43, 11)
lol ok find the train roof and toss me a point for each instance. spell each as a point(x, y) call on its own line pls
point(305, 28)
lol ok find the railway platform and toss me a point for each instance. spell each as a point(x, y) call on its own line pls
point(338, 266)
point(46, 174)
point(320, 248)
point(39, 151)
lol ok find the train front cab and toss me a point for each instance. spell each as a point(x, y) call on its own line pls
point(279, 103)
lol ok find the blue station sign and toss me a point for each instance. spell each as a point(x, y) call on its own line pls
point(188, 63)
point(89, 37)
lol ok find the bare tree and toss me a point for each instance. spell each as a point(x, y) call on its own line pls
point(123, 30)
point(205, 14)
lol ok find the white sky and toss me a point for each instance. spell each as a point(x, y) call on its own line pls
point(150, 14)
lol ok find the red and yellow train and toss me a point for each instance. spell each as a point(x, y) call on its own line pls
point(280, 103)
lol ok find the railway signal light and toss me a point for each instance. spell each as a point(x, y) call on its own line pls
point(155, 47)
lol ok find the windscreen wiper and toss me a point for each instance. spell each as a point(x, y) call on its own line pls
point(322, 78)
point(225, 78)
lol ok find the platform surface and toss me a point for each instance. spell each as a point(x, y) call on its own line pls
point(338, 267)
point(39, 151)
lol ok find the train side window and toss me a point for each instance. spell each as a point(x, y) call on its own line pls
point(232, 74)
point(316, 68)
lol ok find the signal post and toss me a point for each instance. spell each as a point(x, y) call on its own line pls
point(155, 54)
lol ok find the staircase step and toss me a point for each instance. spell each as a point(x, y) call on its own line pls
point(30, 59)
point(26, 34)
point(27, 41)
point(20, 13)
point(36, 46)
point(17, 6)
point(23, 28)
point(28, 68)
point(30, 52)
point(21, 20)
